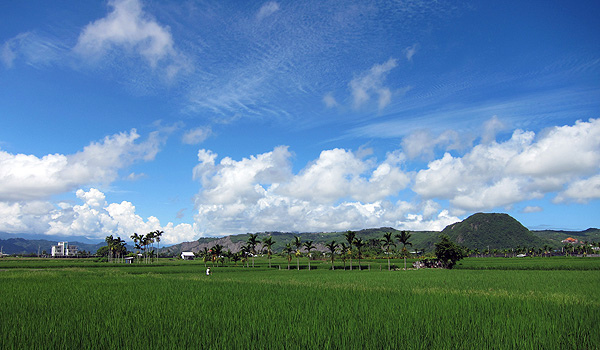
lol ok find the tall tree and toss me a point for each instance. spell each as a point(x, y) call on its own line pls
point(343, 253)
point(308, 245)
point(110, 242)
point(253, 242)
point(288, 250)
point(137, 241)
point(268, 243)
point(350, 236)
point(298, 244)
point(359, 244)
point(404, 237)
point(332, 246)
point(387, 242)
point(157, 235)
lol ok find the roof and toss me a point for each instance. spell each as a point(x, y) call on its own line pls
point(187, 254)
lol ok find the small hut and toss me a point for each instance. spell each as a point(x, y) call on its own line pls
point(187, 255)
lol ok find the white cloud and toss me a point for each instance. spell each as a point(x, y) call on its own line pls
point(490, 128)
point(337, 191)
point(410, 51)
point(267, 9)
point(196, 136)
point(329, 100)
point(95, 218)
point(521, 168)
point(532, 209)
point(33, 49)
point(581, 191)
point(27, 177)
point(422, 143)
point(130, 29)
point(371, 83)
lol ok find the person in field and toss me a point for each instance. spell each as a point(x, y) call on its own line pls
point(208, 271)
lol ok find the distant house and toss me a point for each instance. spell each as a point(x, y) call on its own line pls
point(187, 255)
point(63, 249)
point(129, 260)
point(570, 240)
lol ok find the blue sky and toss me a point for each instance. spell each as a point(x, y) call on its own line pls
point(224, 117)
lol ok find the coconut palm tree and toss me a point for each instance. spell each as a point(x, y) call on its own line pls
point(359, 244)
point(253, 242)
point(387, 242)
point(404, 237)
point(350, 236)
point(288, 250)
point(216, 252)
point(268, 243)
point(298, 244)
point(308, 245)
point(332, 246)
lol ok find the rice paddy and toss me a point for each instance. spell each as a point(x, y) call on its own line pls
point(174, 305)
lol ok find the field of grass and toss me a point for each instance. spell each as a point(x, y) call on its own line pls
point(172, 304)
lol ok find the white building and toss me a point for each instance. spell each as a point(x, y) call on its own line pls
point(64, 249)
point(187, 255)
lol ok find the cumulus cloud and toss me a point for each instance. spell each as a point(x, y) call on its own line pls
point(27, 177)
point(340, 190)
point(581, 191)
point(523, 167)
point(94, 218)
point(267, 9)
point(371, 83)
point(128, 28)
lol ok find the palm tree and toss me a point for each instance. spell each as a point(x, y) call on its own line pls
point(236, 257)
point(403, 237)
point(110, 241)
point(157, 235)
point(252, 242)
point(287, 251)
point(359, 244)
point(216, 252)
point(388, 241)
point(268, 242)
point(343, 252)
point(350, 236)
point(308, 245)
point(332, 248)
point(298, 244)
point(245, 250)
point(137, 241)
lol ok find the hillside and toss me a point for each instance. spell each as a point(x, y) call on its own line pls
point(589, 235)
point(27, 246)
point(498, 231)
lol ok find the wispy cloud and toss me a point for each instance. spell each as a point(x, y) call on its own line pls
point(410, 51)
point(267, 9)
point(371, 83)
point(196, 135)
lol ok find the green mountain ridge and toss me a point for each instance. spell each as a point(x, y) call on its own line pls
point(493, 230)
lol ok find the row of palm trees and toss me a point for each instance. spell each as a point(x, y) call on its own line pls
point(116, 249)
point(141, 243)
point(353, 246)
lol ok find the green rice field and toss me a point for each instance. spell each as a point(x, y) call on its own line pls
point(483, 304)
